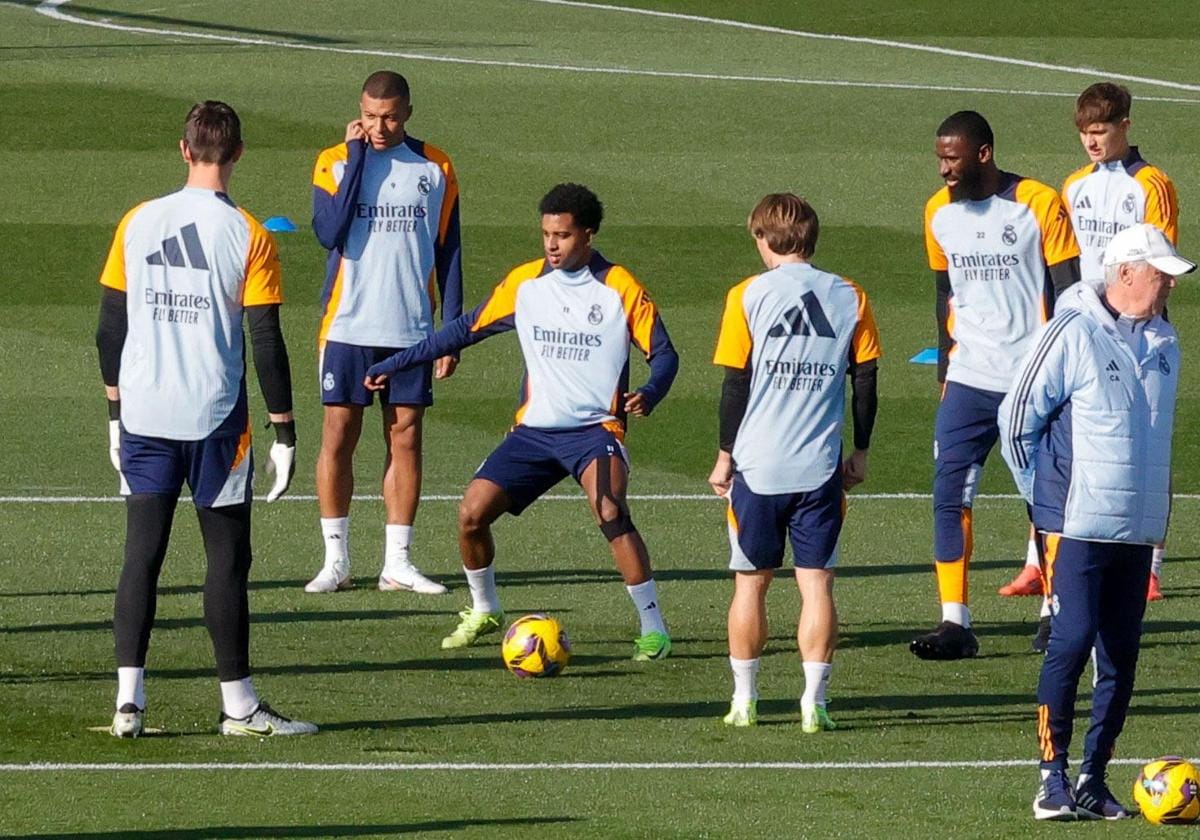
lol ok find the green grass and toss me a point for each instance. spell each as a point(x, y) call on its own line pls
point(91, 117)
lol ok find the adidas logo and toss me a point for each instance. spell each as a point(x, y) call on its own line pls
point(1113, 369)
point(1112, 365)
point(807, 319)
point(1084, 203)
point(172, 255)
point(651, 606)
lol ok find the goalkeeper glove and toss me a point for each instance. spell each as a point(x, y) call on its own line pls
point(114, 433)
point(283, 458)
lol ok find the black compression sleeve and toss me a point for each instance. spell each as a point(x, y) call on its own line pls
point(942, 313)
point(864, 402)
point(270, 357)
point(735, 396)
point(1064, 274)
point(110, 334)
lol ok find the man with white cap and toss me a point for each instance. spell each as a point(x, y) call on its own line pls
point(1086, 429)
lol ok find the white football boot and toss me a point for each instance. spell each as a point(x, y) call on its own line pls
point(403, 576)
point(333, 577)
point(265, 722)
point(127, 722)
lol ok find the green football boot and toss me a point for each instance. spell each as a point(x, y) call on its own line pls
point(816, 719)
point(742, 713)
point(652, 645)
point(472, 625)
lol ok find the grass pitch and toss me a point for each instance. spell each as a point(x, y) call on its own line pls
point(91, 116)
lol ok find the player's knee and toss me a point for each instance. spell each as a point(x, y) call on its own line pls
point(616, 524)
point(471, 519)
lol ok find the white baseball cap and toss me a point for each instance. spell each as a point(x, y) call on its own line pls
point(1146, 243)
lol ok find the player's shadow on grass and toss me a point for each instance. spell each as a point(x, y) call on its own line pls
point(222, 27)
point(660, 711)
point(255, 618)
point(248, 832)
point(479, 663)
point(182, 589)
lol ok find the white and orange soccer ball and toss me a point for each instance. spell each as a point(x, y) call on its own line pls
point(1168, 791)
point(536, 646)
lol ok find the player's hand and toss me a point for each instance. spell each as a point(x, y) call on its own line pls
point(444, 367)
point(636, 404)
point(375, 383)
point(114, 444)
point(721, 477)
point(355, 131)
point(283, 464)
point(854, 470)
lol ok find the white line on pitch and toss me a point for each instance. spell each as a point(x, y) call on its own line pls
point(636, 497)
point(633, 497)
point(875, 42)
point(52, 767)
point(53, 9)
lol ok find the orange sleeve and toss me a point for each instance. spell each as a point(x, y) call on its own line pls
point(1078, 175)
point(113, 273)
point(1058, 236)
point(502, 302)
point(323, 170)
point(450, 200)
point(933, 250)
point(734, 341)
point(264, 276)
point(865, 344)
point(1162, 202)
point(641, 313)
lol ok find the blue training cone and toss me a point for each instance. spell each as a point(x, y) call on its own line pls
point(280, 224)
point(928, 356)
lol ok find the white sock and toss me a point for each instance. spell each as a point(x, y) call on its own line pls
point(1156, 560)
point(816, 681)
point(645, 599)
point(238, 698)
point(131, 687)
point(336, 533)
point(1045, 608)
point(745, 679)
point(482, 583)
point(956, 612)
point(397, 539)
point(1031, 554)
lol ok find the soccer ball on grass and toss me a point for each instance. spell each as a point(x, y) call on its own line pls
point(536, 646)
point(1168, 791)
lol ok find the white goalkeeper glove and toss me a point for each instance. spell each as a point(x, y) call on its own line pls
point(114, 443)
point(283, 458)
point(283, 464)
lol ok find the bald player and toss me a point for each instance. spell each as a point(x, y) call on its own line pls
point(1001, 247)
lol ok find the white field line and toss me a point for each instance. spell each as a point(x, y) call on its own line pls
point(633, 497)
point(642, 497)
point(875, 42)
point(53, 9)
point(602, 766)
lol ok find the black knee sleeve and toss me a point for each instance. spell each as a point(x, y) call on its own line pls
point(226, 532)
point(147, 531)
point(618, 527)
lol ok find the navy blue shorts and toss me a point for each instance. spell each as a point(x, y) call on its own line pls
point(759, 524)
point(344, 366)
point(219, 469)
point(528, 462)
point(965, 431)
